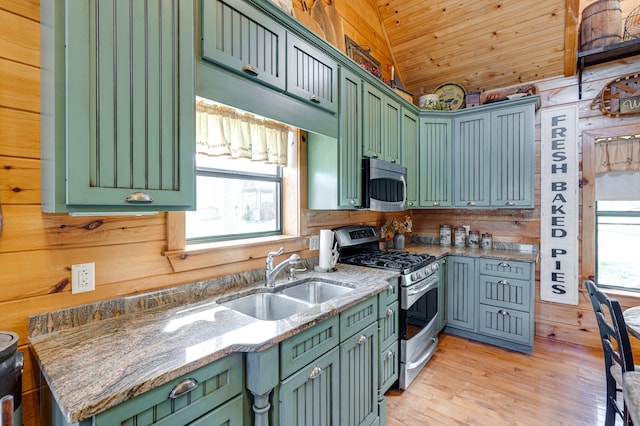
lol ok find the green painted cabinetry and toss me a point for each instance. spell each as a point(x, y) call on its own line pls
point(491, 300)
point(471, 153)
point(381, 125)
point(118, 106)
point(410, 154)
point(388, 339)
point(435, 160)
point(244, 40)
point(442, 292)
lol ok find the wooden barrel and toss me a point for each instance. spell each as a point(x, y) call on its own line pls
point(601, 24)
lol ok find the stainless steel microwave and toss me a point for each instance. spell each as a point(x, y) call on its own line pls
point(384, 186)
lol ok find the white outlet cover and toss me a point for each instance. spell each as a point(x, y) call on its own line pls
point(314, 242)
point(83, 277)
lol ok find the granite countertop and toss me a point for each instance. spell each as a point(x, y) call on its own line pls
point(97, 365)
point(511, 252)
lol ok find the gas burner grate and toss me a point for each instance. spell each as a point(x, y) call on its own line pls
point(392, 260)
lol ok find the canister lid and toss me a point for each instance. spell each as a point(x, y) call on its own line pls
point(474, 232)
point(444, 225)
point(8, 344)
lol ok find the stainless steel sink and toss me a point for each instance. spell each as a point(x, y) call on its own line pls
point(315, 291)
point(267, 306)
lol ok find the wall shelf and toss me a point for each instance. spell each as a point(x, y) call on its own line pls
point(604, 54)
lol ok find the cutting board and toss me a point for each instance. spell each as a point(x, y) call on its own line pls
point(320, 16)
point(336, 22)
point(304, 16)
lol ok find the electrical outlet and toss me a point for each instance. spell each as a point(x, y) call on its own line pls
point(83, 277)
point(314, 242)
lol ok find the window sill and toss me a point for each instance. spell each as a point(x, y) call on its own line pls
point(200, 256)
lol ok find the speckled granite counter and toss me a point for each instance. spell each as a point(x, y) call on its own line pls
point(507, 253)
point(96, 356)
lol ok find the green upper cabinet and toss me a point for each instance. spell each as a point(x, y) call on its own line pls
point(410, 155)
point(244, 40)
point(381, 125)
point(512, 156)
point(436, 156)
point(471, 153)
point(311, 75)
point(350, 152)
point(118, 106)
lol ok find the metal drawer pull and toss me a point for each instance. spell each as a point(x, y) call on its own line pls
point(510, 203)
point(182, 387)
point(250, 70)
point(389, 312)
point(362, 339)
point(471, 203)
point(503, 282)
point(391, 288)
point(316, 371)
point(315, 99)
point(504, 265)
point(503, 312)
point(390, 354)
point(436, 203)
point(139, 197)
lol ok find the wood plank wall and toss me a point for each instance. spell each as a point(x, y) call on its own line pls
point(37, 250)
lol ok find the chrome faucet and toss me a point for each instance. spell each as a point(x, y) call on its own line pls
point(271, 271)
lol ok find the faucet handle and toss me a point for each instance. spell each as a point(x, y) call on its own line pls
point(293, 271)
point(275, 253)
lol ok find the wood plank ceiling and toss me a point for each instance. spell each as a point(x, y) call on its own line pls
point(480, 44)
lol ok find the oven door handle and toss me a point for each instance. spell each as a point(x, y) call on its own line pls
point(423, 288)
point(426, 355)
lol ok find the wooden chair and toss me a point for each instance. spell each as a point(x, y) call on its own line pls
point(6, 410)
point(618, 357)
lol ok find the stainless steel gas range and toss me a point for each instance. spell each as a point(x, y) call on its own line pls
point(419, 286)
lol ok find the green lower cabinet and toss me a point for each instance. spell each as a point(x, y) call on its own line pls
point(312, 395)
point(359, 378)
point(389, 363)
point(228, 414)
point(461, 288)
point(165, 405)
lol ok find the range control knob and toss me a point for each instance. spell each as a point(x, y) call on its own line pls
point(435, 266)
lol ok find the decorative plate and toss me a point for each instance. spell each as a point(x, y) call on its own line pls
point(452, 94)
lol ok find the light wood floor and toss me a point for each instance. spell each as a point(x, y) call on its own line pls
point(470, 383)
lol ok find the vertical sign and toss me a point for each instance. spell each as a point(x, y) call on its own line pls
point(559, 249)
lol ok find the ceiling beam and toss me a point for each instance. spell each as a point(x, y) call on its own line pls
point(571, 13)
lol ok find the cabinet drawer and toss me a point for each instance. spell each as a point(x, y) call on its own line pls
point(507, 324)
point(389, 362)
point(508, 293)
point(388, 296)
point(301, 349)
point(229, 414)
point(388, 325)
point(216, 383)
point(358, 318)
point(505, 268)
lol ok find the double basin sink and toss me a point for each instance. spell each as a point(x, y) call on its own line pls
point(288, 300)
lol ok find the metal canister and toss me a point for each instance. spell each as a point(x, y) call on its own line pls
point(445, 235)
point(485, 241)
point(459, 237)
point(473, 240)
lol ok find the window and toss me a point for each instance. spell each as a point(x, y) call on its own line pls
point(617, 234)
point(236, 198)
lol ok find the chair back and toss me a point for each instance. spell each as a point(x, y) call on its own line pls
point(613, 330)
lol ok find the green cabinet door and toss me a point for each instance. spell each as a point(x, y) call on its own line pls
point(391, 128)
point(244, 40)
point(118, 106)
point(410, 155)
point(461, 290)
point(350, 152)
point(373, 102)
point(312, 76)
point(471, 149)
point(312, 395)
point(512, 156)
point(359, 377)
point(436, 161)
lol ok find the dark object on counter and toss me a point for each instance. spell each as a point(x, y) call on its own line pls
point(11, 364)
point(618, 359)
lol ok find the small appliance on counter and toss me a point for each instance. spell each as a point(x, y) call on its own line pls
point(11, 364)
point(419, 282)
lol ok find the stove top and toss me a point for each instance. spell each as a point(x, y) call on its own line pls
point(401, 261)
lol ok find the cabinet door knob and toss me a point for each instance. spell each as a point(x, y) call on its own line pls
point(471, 203)
point(139, 197)
point(250, 70)
point(352, 201)
point(436, 203)
point(389, 354)
point(315, 372)
point(510, 203)
point(503, 312)
point(362, 339)
point(182, 387)
point(375, 155)
point(393, 160)
point(315, 99)
point(503, 282)
point(389, 312)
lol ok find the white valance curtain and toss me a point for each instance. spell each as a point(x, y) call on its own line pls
point(223, 131)
point(620, 154)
